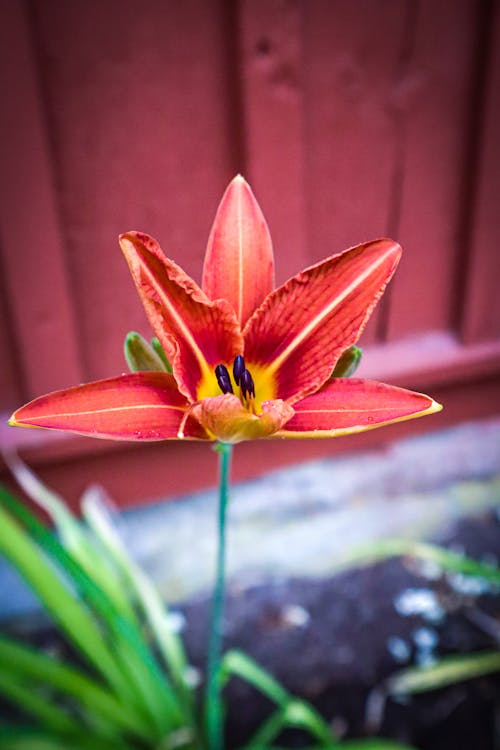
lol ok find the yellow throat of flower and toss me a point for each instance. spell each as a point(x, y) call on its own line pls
point(264, 385)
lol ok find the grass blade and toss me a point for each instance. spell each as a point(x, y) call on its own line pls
point(296, 714)
point(21, 738)
point(445, 558)
point(448, 671)
point(130, 666)
point(169, 643)
point(74, 538)
point(68, 612)
point(292, 711)
point(239, 664)
point(37, 667)
point(374, 744)
point(22, 695)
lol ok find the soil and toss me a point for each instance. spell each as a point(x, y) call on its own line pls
point(335, 641)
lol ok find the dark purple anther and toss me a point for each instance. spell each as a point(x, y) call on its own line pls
point(246, 384)
point(238, 368)
point(223, 379)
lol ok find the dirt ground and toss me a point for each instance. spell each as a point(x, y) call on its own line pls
point(334, 641)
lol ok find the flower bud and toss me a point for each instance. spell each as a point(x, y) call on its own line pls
point(348, 363)
point(140, 356)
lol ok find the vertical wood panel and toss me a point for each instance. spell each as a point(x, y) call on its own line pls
point(353, 52)
point(481, 307)
point(10, 381)
point(271, 75)
point(434, 97)
point(350, 120)
point(139, 111)
point(36, 286)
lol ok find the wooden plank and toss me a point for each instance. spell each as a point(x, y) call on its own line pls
point(433, 97)
point(271, 82)
point(481, 307)
point(430, 360)
point(38, 292)
point(10, 385)
point(139, 108)
point(351, 127)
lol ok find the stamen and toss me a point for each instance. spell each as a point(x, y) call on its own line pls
point(238, 368)
point(247, 385)
point(223, 379)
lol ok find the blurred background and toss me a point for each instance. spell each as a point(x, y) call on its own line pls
point(351, 121)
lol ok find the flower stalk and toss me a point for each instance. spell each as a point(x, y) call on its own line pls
point(213, 706)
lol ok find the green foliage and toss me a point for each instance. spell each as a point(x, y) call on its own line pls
point(130, 691)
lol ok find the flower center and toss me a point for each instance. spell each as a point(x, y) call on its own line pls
point(241, 376)
point(256, 387)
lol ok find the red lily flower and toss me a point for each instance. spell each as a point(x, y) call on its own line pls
point(247, 361)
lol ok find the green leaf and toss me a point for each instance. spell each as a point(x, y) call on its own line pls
point(35, 704)
point(299, 715)
point(141, 356)
point(292, 712)
point(348, 363)
point(448, 671)
point(67, 611)
point(374, 744)
point(22, 738)
point(135, 659)
point(38, 668)
point(75, 539)
point(169, 643)
point(123, 657)
point(369, 744)
point(445, 558)
point(237, 663)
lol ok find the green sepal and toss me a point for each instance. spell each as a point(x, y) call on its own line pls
point(155, 343)
point(140, 356)
point(348, 363)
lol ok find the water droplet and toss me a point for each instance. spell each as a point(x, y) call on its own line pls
point(295, 615)
point(423, 602)
point(176, 621)
point(399, 649)
point(425, 638)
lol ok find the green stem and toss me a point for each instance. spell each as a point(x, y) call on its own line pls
point(214, 713)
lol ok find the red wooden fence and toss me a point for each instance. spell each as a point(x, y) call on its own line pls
point(351, 120)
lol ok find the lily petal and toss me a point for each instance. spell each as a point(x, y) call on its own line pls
point(139, 406)
point(239, 261)
point(302, 328)
point(195, 332)
point(227, 420)
point(347, 405)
